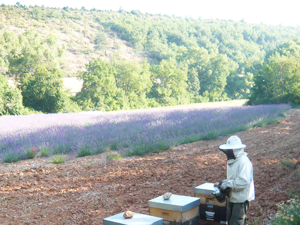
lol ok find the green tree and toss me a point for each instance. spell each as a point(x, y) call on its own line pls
point(99, 90)
point(290, 48)
point(54, 14)
point(32, 51)
point(211, 69)
point(169, 83)
point(101, 41)
point(134, 80)
point(43, 91)
point(37, 13)
point(213, 77)
point(131, 77)
point(193, 82)
point(239, 85)
point(196, 58)
point(8, 46)
point(10, 99)
point(278, 81)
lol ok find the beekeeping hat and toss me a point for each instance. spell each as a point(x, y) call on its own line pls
point(234, 142)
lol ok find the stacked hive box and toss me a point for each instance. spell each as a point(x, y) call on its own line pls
point(137, 219)
point(178, 210)
point(210, 208)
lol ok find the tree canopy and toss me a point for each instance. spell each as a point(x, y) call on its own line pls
point(99, 89)
point(43, 90)
point(278, 78)
point(10, 99)
point(177, 60)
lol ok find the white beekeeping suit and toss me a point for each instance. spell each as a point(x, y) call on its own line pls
point(239, 178)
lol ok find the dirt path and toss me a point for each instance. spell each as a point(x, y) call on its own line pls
point(86, 190)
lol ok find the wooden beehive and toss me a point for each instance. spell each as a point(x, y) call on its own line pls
point(211, 211)
point(178, 210)
point(137, 219)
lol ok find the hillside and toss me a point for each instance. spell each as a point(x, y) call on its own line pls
point(128, 60)
point(129, 34)
point(86, 190)
point(76, 36)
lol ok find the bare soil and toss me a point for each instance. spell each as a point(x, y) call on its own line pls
point(86, 190)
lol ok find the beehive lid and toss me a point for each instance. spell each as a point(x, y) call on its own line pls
point(137, 219)
point(177, 203)
point(205, 189)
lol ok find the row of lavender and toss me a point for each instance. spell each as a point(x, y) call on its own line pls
point(139, 131)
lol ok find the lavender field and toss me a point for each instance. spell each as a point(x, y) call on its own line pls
point(136, 132)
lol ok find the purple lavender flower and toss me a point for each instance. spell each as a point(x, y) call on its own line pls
point(149, 129)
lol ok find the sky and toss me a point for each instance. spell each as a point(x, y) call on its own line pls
point(270, 12)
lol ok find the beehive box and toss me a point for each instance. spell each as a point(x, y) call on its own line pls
point(137, 219)
point(210, 208)
point(178, 210)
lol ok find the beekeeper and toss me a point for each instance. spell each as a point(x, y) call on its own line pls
point(239, 180)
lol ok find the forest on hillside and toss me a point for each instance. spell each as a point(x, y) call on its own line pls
point(169, 61)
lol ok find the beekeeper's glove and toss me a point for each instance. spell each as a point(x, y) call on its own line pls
point(227, 184)
point(223, 185)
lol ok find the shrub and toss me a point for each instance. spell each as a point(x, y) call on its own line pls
point(113, 156)
point(210, 136)
point(84, 151)
point(114, 146)
point(10, 157)
point(58, 159)
point(287, 163)
point(37, 13)
point(44, 153)
point(258, 221)
point(145, 149)
point(54, 14)
point(30, 153)
point(289, 213)
point(44, 150)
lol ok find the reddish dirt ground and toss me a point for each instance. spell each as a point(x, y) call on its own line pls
point(86, 190)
